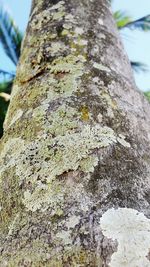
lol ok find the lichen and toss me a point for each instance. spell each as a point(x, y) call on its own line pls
point(41, 255)
point(56, 48)
point(122, 141)
point(12, 146)
point(88, 164)
point(131, 229)
point(16, 117)
point(45, 196)
point(56, 12)
point(64, 142)
point(64, 237)
point(63, 119)
point(72, 221)
point(42, 162)
point(67, 72)
point(58, 15)
point(57, 6)
point(101, 67)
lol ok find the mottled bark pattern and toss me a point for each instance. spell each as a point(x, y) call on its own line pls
point(76, 144)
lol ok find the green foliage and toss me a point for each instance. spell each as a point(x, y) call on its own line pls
point(10, 38)
point(139, 24)
point(138, 66)
point(147, 94)
point(143, 24)
point(5, 89)
point(125, 21)
point(122, 19)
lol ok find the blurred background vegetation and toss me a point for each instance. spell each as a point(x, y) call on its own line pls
point(11, 38)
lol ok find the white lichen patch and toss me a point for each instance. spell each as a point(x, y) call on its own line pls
point(69, 17)
point(122, 141)
point(12, 225)
point(56, 48)
point(101, 67)
point(96, 80)
point(100, 117)
point(131, 230)
point(100, 21)
point(64, 237)
point(81, 42)
point(79, 30)
point(72, 221)
point(57, 6)
point(16, 117)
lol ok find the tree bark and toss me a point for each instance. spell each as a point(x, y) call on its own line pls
point(75, 161)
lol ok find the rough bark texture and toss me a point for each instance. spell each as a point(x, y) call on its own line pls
point(74, 176)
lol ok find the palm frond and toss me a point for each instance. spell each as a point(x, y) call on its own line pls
point(147, 94)
point(138, 66)
point(10, 36)
point(140, 24)
point(121, 18)
point(7, 73)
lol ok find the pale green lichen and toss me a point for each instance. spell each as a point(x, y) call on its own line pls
point(65, 32)
point(108, 102)
point(12, 225)
point(40, 162)
point(53, 157)
point(56, 12)
point(39, 112)
point(88, 164)
point(66, 76)
point(62, 120)
point(16, 117)
point(101, 67)
point(64, 237)
point(56, 47)
point(68, 64)
point(45, 196)
point(58, 15)
point(13, 146)
point(64, 144)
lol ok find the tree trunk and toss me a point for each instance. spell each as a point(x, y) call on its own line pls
point(75, 161)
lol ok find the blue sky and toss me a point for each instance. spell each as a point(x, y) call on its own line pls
point(137, 44)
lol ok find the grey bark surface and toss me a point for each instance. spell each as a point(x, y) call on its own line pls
point(74, 157)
